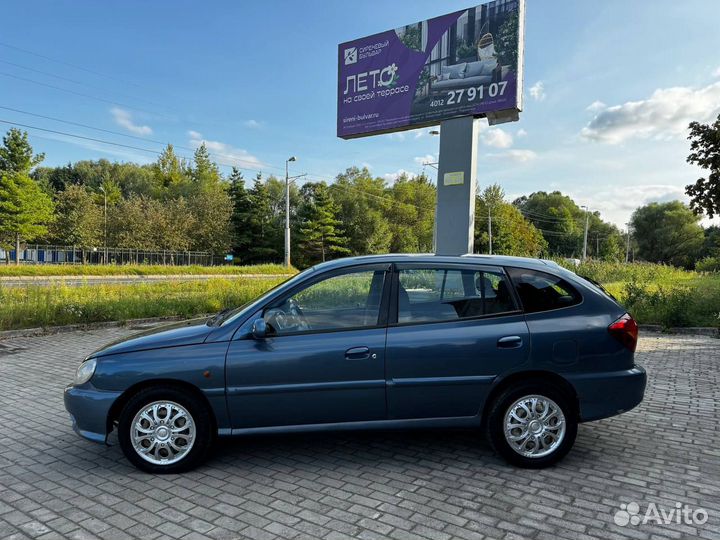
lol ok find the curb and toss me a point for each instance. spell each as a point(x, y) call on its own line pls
point(140, 324)
point(708, 331)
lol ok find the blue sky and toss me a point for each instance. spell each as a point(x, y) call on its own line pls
point(609, 89)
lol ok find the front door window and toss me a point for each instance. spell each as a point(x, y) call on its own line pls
point(345, 301)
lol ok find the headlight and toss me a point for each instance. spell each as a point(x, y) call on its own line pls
point(85, 372)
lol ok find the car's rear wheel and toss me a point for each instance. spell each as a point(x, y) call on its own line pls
point(532, 425)
point(165, 430)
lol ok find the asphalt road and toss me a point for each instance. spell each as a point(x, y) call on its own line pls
point(75, 281)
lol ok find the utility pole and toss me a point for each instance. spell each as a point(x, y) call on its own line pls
point(627, 249)
point(489, 231)
point(597, 245)
point(587, 222)
point(287, 211)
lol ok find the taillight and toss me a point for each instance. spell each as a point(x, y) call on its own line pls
point(625, 330)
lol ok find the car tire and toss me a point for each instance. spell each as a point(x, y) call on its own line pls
point(165, 430)
point(532, 425)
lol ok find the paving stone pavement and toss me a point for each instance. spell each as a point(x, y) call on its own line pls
point(432, 485)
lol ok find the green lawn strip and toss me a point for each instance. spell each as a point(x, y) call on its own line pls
point(57, 305)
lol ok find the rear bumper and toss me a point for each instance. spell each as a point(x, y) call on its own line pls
point(601, 395)
point(89, 408)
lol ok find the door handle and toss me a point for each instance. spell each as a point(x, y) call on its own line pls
point(509, 342)
point(357, 353)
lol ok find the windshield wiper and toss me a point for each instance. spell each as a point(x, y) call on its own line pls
point(219, 317)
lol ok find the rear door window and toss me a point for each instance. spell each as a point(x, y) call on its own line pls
point(540, 291)
point(445, 294)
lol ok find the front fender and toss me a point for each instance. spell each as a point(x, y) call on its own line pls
point(201, 365)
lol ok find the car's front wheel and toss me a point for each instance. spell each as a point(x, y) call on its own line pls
point(532, 425)
point(165, 430)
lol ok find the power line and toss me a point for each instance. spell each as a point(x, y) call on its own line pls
point(110, 131)
point(112, 143)
point(131, 147)
point(73, 81)
point(81, 94)
point(74, 66)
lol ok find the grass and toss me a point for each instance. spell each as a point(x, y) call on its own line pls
point(660, 294)
point(654, 294)
point(55, 305)
point(12, 270)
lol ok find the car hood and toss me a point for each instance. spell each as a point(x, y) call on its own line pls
point(168, 335)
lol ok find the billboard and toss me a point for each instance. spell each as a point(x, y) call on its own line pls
point(465, 63)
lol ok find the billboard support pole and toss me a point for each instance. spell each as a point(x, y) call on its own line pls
point(456, 187)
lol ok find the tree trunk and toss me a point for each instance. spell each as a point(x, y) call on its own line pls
point(17, 248)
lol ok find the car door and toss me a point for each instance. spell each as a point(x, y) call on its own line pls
point(323, 360)
point(453, 329)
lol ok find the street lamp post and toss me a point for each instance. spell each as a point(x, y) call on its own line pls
point(587, 222)
point(287, 211)
point(105, 253)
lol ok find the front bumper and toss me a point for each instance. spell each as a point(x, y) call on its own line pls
point(89, 408)
point(601, 395)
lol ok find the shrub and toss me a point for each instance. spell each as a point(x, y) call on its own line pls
point(708, 264)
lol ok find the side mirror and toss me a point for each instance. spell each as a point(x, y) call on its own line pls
point(259, 329)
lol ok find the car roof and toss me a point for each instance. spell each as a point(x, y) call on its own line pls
point(499, 260)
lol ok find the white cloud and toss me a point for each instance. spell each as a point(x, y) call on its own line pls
point(716, 73)
point(666, 113)
point(124, 119)
point(596, 106)
point(391, 177)
point(617, 203)
point(521, 133)
point(252, 123)
point(517, 155)
point(225, 152)
point(397, 136)
point(497, 138)
point(537, 91)
point(427, 158)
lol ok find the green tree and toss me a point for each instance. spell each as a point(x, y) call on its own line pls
point(78, 219)
point(266, 234)
point(241, 214)
point(512, 233)
point(16, 154)
point(561, 221)
point(411, 216)
point(667, 233)
point(320, 230)
point(711, 245)
point(170, 173)
point(25, 210)
point(363, 210)
point(212, 209)
point(705, 153)
point(204, 172)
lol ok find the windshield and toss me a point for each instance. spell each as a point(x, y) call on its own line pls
point(229, 315)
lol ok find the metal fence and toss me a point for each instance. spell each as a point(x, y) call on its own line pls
point(40, 254)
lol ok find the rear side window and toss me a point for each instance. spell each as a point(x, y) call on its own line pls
point(539, 291)
point(438, 294)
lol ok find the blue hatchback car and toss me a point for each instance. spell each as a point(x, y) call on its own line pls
point(520, 348)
